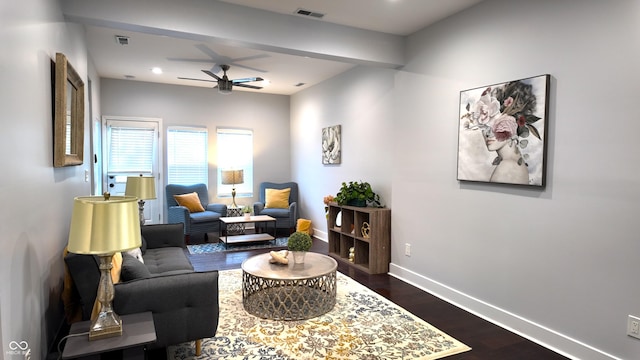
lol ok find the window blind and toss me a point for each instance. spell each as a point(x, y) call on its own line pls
point(235, 152)
point(187, 156)
point(131, 149)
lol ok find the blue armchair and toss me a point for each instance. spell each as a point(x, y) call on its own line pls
point(285, 218)
point(197, 222)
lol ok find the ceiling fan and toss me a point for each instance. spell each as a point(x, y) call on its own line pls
point(224, 84)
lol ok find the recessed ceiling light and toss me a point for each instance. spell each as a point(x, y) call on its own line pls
point(156, 70)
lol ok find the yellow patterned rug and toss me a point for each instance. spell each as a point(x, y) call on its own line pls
point(362, 325)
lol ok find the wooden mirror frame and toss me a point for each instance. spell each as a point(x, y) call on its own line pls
point(68, 84)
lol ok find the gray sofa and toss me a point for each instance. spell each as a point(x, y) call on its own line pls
point(184, 303)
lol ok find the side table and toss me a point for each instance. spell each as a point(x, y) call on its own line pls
point(137, 331)
point(234, 229)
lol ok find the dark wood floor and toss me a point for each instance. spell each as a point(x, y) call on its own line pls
point(487, 341)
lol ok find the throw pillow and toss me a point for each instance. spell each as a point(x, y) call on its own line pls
point(116, 262)
point(133, 269)
point(304, 225)
point(136, 253)
point(190, 201)
point(277, 198)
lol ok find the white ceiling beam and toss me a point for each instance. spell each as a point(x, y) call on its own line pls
point(229, 24)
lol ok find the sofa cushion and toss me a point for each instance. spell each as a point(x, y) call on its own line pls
point(162, 261)
point(191, 201)
point(204, 216)
point(277, 198)
point(276, 213)
point(133, 269)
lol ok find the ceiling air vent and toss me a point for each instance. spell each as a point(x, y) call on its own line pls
point(122, 40)
point(305, 12)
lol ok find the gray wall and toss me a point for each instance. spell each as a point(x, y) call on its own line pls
point(557, 265)
point(267, 115)
point(37, 198)
point(358, 101)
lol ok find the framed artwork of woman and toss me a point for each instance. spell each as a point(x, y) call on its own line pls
point(502, 132)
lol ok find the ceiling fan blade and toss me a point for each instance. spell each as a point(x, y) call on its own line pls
point(249, 68)
point(208, 51)
point(244, 80)
point(211, 74)
point(248, 86)
point(192, 60)
point(186, 78)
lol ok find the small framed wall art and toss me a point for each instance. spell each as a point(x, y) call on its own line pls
point(502, 132)
point(331, 152)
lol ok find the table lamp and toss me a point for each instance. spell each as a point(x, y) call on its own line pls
point(104, 225)
point(233, 177)
point(142, 187)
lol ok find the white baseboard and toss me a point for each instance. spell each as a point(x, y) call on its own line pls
point(530, 330)
point(320, 235)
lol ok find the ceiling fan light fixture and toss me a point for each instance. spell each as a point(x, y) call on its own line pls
point(224, 87)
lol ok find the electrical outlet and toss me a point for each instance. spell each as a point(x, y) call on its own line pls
point(633, 326)
point(407, 249)
point(86, 176)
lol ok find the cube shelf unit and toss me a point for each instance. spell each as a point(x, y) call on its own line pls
point(371, 254)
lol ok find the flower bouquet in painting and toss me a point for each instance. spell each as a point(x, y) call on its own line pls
point(502, 133)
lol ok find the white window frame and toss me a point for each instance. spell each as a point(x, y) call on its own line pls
point(235, 152)
point(192, 153)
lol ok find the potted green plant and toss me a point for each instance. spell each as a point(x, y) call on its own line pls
point(247, 212)
point(357, 193)
point(299, 243)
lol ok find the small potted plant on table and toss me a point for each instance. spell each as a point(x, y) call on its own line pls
point(299, 243)
point(247, 212)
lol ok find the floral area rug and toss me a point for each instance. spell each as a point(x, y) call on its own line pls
point(362, 325)
point(219, 247)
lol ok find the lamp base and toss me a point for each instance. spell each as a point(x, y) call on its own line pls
point(106, 325)
point(233, 196)
point(141, 211)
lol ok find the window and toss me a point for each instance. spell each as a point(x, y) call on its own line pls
point(130, 148)
point(235, 152)
point(187, 156)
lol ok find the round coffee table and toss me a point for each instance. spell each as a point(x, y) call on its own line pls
point(289, 292)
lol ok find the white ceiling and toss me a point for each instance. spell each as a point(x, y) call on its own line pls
point(185, 55)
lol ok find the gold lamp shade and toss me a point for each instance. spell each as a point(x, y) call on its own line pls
point(232, 177)
point(142, 187)
point(100, 226)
